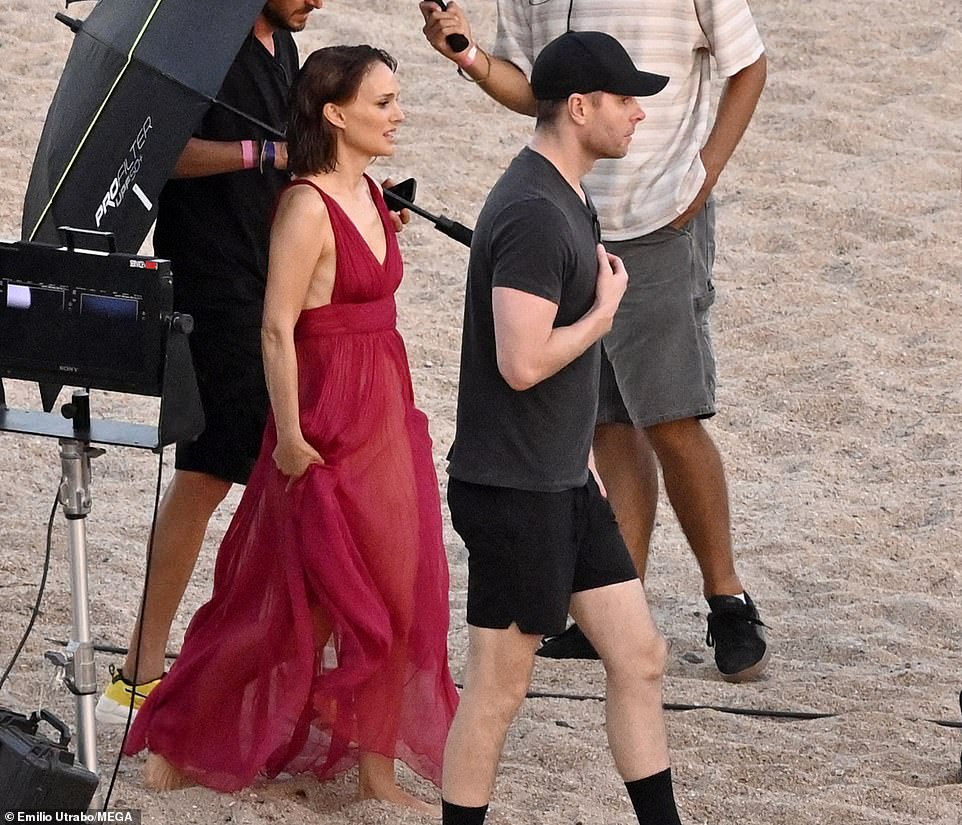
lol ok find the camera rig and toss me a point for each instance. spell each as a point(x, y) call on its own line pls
point(91, 319)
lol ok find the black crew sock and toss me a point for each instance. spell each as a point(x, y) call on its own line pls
point(654, 799)
point(452, 814)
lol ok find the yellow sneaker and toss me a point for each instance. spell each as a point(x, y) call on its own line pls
point(113, 707)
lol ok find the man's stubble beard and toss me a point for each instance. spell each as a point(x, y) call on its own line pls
point(278, 21)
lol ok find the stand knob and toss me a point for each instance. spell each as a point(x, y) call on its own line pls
point(180, 322)
point(78, 410)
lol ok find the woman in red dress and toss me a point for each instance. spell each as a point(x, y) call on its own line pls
point(324, 644)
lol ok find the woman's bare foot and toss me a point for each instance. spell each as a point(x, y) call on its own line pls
point(398, 796)
point(160, 775)
point(376, 781)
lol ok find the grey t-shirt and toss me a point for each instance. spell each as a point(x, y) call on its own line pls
point(535, 235)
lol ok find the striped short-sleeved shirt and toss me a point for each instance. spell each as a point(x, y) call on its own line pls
point(663, 171)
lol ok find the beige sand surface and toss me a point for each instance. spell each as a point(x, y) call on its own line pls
point(837, 328)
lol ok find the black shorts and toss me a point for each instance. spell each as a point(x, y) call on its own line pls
point(233, 392)
point(529, 551)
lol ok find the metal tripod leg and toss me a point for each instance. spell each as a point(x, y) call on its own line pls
point(78, 658)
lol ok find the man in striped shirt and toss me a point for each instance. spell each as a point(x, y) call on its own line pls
point(657, 214)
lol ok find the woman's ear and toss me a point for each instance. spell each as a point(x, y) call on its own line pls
point(333, 114)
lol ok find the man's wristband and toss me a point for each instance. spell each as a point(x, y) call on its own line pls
point(486, 75)
point(249, 152)
point(467, 57)
point(268, 154)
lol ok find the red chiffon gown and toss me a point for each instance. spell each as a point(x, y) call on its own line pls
point(326, 633)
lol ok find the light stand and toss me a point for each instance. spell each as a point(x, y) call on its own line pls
point(75, 430)
point(77, 659)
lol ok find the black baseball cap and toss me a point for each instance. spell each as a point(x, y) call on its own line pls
point(583, 62)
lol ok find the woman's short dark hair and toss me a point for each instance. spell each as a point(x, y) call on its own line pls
point(330, 75)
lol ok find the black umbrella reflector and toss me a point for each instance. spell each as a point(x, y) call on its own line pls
point(137, 81)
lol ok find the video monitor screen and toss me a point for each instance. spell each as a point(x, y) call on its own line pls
point(83, 319)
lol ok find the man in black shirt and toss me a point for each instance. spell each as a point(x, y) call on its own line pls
point(213, 224)
point(541, 538)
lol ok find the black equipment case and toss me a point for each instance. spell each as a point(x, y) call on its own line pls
point(37, 774)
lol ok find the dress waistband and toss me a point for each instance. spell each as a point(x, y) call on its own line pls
point(347, 319)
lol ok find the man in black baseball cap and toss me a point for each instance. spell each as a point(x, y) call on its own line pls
point(659, 379)
point(583, 62)
point(541, 538)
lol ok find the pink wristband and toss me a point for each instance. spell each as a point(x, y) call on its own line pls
point(249, 153)
point(468, 57)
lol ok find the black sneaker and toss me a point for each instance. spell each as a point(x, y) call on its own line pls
point(572, 644)
point(738, 636)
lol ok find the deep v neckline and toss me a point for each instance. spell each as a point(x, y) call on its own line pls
point(387, 246)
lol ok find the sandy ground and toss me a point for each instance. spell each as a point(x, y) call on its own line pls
point(837, 330)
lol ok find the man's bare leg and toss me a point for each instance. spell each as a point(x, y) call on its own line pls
point(628, 469)
point(185, 510)
point(496, 681)
point(618, 622)
point(695, 482)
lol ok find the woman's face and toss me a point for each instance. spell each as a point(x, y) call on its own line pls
point(372, 118)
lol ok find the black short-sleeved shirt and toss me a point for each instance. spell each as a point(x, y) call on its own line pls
point(216, 229)
point(534, 234)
